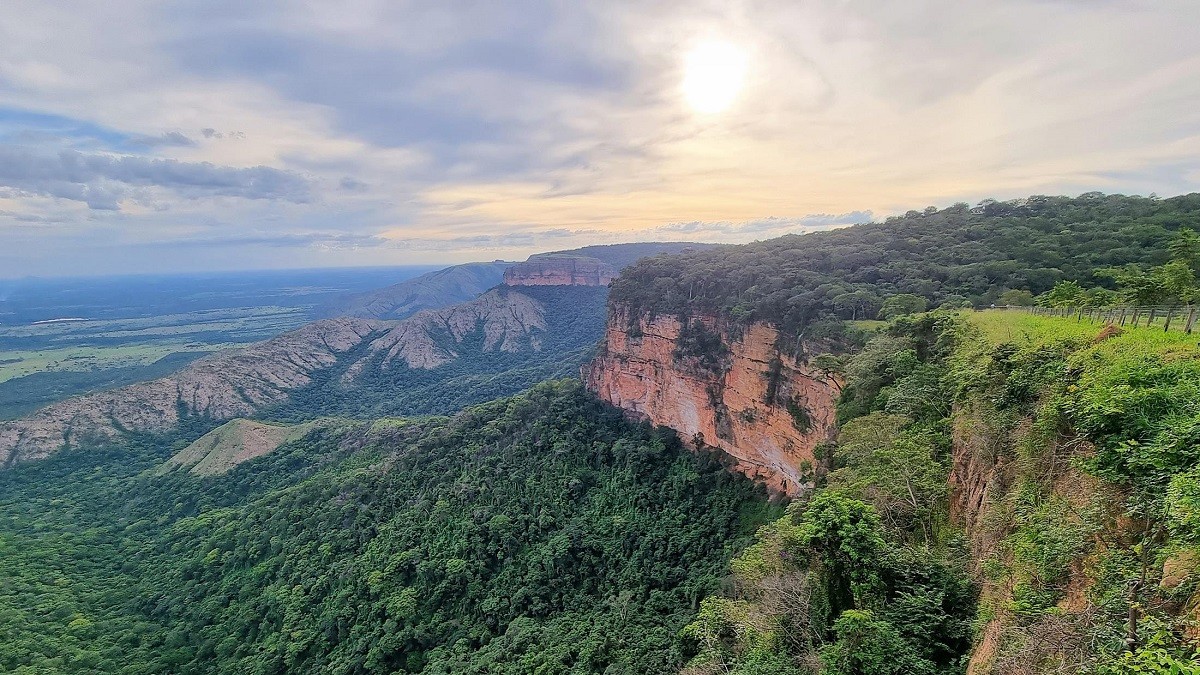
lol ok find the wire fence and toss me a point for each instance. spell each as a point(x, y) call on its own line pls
point(1178, 317)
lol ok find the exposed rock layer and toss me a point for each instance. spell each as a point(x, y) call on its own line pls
point(560, 270)
point(741, 406)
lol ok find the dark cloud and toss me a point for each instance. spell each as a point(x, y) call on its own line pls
point(102, 181)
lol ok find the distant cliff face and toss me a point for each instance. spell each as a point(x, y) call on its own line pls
point(732, 391)
point(560, 270)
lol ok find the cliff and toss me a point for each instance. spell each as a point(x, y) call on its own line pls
point(560, 270)
point(720, 387)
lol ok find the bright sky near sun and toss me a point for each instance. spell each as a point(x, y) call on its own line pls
point(220, 134)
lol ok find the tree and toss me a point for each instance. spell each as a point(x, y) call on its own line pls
point(845, 538)
point(1016, 297)
point(867, 645)
point(899, 305)
point(1064, 294)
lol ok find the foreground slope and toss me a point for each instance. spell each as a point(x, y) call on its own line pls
point(540, 533)
point(1049, 465)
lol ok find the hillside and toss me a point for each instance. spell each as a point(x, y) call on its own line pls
point(228, 384)
point(1045, 464)
point(233, 443)
point(540, 533)
point(442, 288)
point(436, 361)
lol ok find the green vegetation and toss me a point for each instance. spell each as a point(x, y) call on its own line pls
point(866, 576)
point(1171, 283)
point(22, 395)
point(537, 534)
point(948, 257)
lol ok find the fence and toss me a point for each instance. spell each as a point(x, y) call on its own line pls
point(1180, 317)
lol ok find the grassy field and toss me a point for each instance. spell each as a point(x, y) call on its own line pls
point(86, 346)
point(1030, 330)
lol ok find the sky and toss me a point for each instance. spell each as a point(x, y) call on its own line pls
point(144, 136)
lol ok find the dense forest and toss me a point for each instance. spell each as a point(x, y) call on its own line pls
point(540, 533)
point(956, 256)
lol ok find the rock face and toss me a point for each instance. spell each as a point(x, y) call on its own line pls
point(509, 322)
point(225, 385)
point(761, 407)
point(560, 270)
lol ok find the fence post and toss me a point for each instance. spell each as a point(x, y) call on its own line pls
point(1191, 320)
point(1167, 325)
point(1153, 311)
point(1123, 310)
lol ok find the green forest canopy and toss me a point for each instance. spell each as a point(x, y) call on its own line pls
point(539, 533)
point(958, 255)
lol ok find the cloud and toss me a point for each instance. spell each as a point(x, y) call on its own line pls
point(769, 225)
point(333, 240)
point(102, 181)
point(170, 138)
point(423, 131)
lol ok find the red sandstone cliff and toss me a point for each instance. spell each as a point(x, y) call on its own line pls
point(560, 270)
point(761, 407)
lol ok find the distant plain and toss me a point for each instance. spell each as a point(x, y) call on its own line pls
point(135, 328)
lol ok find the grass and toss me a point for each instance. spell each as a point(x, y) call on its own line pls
point(89, 346)
point(1029, 330)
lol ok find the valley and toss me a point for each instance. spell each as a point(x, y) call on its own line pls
point(701, 460)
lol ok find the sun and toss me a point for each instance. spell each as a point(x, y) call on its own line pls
point(713, 75)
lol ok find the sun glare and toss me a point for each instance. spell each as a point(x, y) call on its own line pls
point(713, 76)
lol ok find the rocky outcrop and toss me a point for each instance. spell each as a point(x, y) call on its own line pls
point(240, 382)
point(222, 386)
point(509, 321)
point(560, 270)
point(764, 408)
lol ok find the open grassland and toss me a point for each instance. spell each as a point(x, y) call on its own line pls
point(1018, 328)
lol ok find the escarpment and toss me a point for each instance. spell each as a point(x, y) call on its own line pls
point(560, 270)
point(720, 386)
point(225, 385)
